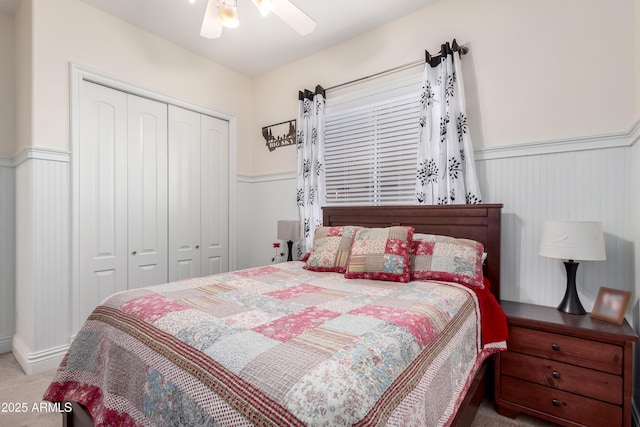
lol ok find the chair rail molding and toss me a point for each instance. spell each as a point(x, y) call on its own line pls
point(266, 178)
point(596, 142)
point(635, 132)
point(36, 153)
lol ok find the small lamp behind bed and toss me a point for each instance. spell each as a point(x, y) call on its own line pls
point(572, 240)
point(289, 231)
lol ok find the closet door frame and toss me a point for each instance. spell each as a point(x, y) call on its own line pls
point(78, 74)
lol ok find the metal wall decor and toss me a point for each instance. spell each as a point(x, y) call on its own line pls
point(280, 134)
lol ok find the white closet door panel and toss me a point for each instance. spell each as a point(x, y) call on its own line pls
point(215, 195)
point(184, 193)
point(215, 264)
point(185, 269)
point(102, 219)
point(147, 192)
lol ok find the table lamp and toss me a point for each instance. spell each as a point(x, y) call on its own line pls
point(290, 232)
point(571, 241)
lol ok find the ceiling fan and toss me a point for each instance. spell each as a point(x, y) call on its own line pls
point(224, 13)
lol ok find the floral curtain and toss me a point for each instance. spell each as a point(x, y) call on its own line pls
point(446, 168)
point(311, 173)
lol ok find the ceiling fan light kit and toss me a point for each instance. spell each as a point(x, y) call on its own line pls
point(224, 13)
point(228, 13)
point(264, 6)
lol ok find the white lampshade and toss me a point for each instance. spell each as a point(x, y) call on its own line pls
point(573, 240)
point(289, 230)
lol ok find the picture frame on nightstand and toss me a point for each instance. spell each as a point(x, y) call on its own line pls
point(611, 305)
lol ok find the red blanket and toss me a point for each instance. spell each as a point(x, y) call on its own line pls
point(493, 319)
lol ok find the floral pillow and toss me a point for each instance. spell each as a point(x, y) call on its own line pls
point(331, 247)
point(447, 258)
point(381, 254)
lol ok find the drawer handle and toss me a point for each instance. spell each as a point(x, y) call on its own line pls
point(555, 402)
point(555, 347)
point(555, 374)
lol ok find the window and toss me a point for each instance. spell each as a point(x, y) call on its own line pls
point(371, 146)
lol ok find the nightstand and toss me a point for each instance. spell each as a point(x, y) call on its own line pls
point(568, 369)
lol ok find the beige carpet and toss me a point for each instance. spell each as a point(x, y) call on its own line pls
point(16, 387)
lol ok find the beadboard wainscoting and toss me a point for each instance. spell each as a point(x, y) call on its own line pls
point(7, 254)
point(585, 185)
point(578, 179)
point(43, 237)
point(262, 201)
point(588, 179)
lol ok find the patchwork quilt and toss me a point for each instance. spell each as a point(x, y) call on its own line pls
point(277, 346)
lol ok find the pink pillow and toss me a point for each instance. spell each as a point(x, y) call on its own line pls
point(331, 247)
point(381, 254)
point(447, 258)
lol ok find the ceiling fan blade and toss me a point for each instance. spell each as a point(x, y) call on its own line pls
point(211, 25)
point(293, 16)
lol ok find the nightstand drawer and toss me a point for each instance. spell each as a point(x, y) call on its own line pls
point(560, 404)
point(586, 353)
point(562, 376)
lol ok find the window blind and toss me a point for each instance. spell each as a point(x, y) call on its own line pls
point(371, 149)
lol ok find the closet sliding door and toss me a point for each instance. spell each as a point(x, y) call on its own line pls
point(214, 195)
point(122, 218)
point(184, 193)
point(102, 194)
point(153, 194)
point(198, 194)
point(147, 192)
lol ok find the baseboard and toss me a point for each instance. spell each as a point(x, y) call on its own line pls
point(5, 345)
point(37, 361)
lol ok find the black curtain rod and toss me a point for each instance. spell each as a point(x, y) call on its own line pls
point(445, 49)
point(306, 93)
point(428, 58)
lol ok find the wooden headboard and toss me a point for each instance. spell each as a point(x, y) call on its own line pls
point(476, 222)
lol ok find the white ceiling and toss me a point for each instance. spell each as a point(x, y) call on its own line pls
point(259, 44)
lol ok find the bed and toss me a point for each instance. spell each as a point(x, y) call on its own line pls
point(284, 345)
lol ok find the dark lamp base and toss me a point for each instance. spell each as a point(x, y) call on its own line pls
point(290, 246)
point(571, 303)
